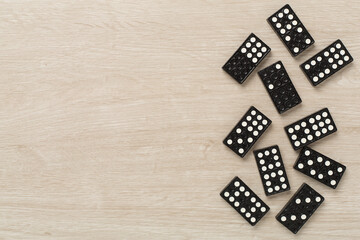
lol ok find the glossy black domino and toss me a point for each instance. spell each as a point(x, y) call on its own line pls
point(290, 30)
point(247, 131)
point(327, 62)
point(319, 167)
point(249, 55)
point(244, 201)
point(279, 86)
point(300, 208)
point(310, 129)
point(272, 170)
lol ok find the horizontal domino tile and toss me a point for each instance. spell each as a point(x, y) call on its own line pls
point(244, 201)
point(279, 87)
point(319, 167)
point(249, 55)
point(271, 169)
point(310, 129)
point(247, 131)
point(327, 62)
point(290, 30)
point(300, 208)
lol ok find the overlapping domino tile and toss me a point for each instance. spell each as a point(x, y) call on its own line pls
point(249, 55)
point(272, 170)
point(319, 167)
point(300, 208)
point(280, 87)
point(244, 201)
point(327, 62)
point(247, 131)
point(310, 129)
point(290, 30)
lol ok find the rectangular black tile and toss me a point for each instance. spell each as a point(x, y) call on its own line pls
point(249, 55)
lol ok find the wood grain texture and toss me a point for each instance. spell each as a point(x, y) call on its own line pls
point(112, 116)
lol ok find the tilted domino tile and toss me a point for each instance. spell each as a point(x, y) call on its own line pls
point(290, 30)
point(279, 86)
point(310, 129)
point(319, 167)
point(300, 208)
point(327, 62)
point(272, 170)
point(249, 55)
point(244, 201)
point(247, 131)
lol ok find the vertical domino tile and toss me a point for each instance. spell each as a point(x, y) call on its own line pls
point(271, 169)
point(279, 87)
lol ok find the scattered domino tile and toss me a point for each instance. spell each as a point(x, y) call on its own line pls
point(319, 167)
point(272, 170)
point(279, 86)
point(310, 129)
point(327, 62)
point(249, 55)
point(290, 30)
point(247, 131)
point(299, 208)
point(244, 201)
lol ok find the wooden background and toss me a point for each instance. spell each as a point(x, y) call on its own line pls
point(112, 116)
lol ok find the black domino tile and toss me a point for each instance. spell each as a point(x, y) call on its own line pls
point(319, 167)
point(279, 87)
point(272, 170)
point(290, 30)
point(249, 55)
point(244, 201)
point(310, 129)
point(247, 131)
point(326, 63)
point(300, 208)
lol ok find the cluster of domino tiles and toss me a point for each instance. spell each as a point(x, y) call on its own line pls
point(247, 131)
point(301, 133)
point(311, 128)
point(271, 170)
point(288, 25)
point(327, 62)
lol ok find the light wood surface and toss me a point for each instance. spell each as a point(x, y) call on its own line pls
point(112, 116)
